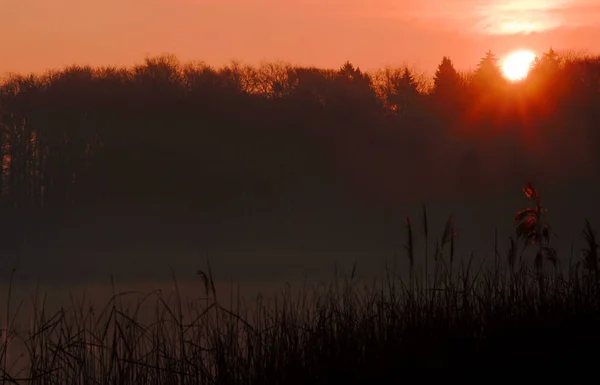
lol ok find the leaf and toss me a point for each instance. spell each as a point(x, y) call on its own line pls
point(523, 213)
point(526, 230)
point(531, 192)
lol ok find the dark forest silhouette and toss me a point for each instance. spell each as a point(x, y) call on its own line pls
point(209, 138)
point(278, 138)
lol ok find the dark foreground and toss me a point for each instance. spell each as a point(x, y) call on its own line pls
point(526, 311)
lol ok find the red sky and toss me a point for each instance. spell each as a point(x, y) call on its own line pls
point(36, 35)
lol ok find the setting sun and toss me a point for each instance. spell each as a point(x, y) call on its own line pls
point(517, 64)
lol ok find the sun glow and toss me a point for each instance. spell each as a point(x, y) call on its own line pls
point(517, 64)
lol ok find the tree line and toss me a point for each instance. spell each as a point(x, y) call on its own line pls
point(165, 131)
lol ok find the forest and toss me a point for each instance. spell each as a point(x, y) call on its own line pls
point(251, 138)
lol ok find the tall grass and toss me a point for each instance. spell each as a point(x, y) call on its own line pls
point(460, 317)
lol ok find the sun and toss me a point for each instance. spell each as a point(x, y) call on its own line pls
point(517, 64)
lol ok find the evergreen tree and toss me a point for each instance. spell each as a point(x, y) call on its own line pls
point(545, 66)
point(404, 91)
point(488, 75)
point(448, 91)
point(447, 81)
point(353, 93)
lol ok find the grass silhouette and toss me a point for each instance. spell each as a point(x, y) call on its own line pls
point(516, 316)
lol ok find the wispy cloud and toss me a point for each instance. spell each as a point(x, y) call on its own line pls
point(494, 17)
point(527, 16)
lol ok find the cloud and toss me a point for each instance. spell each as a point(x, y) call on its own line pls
point(496, 17)
point(522, 16)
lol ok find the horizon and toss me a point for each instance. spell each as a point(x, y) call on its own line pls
point(379, 34)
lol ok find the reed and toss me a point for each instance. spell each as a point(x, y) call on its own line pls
point(516, 315)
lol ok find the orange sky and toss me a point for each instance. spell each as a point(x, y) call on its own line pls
point(39, 34)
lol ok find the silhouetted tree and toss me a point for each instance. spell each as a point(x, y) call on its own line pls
point(548, 64)
point(351, 97)
point(488, 76)
point(447, 81)
point(448, 91)
point(404, 92)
